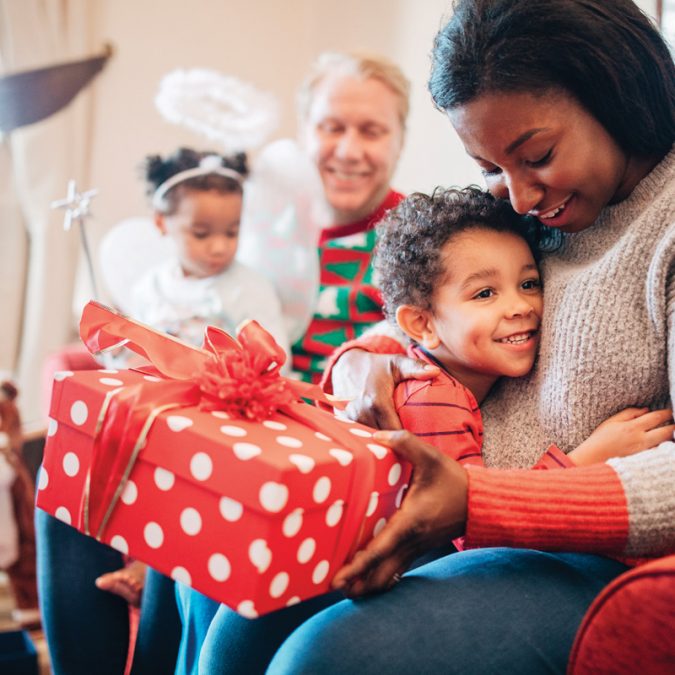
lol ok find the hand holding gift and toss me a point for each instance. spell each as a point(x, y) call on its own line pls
point(209, 467)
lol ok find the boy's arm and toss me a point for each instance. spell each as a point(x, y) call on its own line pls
point(628, 432)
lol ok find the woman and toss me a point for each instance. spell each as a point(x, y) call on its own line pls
point(569, 108)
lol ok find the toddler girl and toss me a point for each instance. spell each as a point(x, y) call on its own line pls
point(197, 201)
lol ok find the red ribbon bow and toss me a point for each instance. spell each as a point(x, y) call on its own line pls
point(240, 377)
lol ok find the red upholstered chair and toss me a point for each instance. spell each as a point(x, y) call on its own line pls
point(630, 627)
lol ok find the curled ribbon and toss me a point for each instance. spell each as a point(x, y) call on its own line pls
point(239, 376)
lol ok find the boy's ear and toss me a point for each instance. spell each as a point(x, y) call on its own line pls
point(418, 325)
point(160, 224)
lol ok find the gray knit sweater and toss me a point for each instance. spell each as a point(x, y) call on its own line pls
point(608, 342)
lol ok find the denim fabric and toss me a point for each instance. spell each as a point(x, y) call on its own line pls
point(159, 628)
point(217, 640)
point(87, 630)
point(483, 611)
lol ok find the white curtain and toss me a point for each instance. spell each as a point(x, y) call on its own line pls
point(38, 259)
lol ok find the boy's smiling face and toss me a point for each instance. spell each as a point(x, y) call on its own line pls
point(487, 310)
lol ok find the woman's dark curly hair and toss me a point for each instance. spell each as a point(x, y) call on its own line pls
point(411, 237)
point(605, 53)
point(156, 170)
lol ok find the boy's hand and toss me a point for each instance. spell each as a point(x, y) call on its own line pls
point(630, 431)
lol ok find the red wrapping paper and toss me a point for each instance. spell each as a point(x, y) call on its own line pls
point(256, 514)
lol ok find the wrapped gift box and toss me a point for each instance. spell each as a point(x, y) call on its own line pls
point(252, 514)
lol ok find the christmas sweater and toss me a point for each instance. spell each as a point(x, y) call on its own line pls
point(349, 301)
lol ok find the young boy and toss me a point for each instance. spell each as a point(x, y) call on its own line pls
point(458, 273)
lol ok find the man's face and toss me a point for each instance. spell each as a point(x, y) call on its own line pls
point(354, 135)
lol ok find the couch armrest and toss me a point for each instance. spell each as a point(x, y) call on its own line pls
point(630, 627)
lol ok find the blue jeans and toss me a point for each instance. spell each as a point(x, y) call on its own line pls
point(485, 611)
point(87, 630)
point(218, 640)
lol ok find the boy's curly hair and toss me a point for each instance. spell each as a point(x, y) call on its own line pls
point(411, 237)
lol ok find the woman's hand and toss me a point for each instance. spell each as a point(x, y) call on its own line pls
point(629, 431)
point(433, 513)
point(369, 380)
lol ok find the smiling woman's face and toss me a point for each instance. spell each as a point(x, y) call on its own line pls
point(547, 155)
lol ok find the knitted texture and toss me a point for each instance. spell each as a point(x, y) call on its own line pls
point(607, 342)
point(582, 509)
point(349, 301)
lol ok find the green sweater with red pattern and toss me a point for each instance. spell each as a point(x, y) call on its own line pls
point(349, 301)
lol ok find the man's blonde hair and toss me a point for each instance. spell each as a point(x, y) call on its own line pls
point(363, 66)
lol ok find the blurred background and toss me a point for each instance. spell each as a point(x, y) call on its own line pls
point(101, 137)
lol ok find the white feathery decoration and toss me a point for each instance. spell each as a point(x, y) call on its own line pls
point(226, 110)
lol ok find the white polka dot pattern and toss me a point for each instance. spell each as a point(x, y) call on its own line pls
point(260, 555)
point(273, 496)
point(321, 489)
point(274, 425)
point(153, 535)
point(181, 575)
point(164, 479)
point(236, 432)
point(306, 550)
point(372, 503)
point(178, 422)
point(292, 523)
point(119, 543)
point(43, 479)
point(247, 609)
point(378, 526)
point(190, 521)
point(344, 457)
point(334, 513)
point(289, 441)
point(248, 513)
point(279, 585)
point(246, 451)
point(130, 493)
point(394, 474)
point(79, 413)
point(201, 466)
point(320, 572)
point(71, 464)
point(111, 382)
point(219, 567)
point(378, 450)
point(230, 509)
point(304, 463)
point(62, 513)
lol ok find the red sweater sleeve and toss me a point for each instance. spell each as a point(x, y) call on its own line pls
point(581, 509)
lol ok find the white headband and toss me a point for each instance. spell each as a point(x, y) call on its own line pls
point(211, 164)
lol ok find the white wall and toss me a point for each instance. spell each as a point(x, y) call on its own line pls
point(270, 44)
